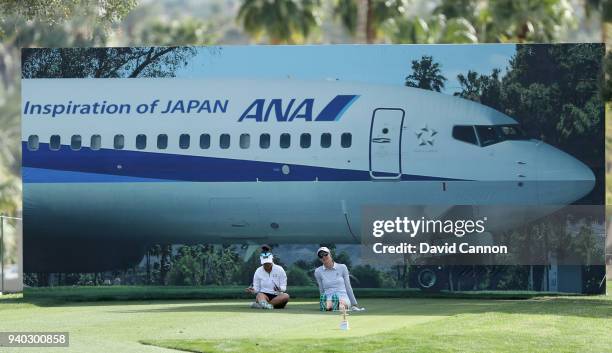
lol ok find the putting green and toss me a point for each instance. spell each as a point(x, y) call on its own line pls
point(453, 325)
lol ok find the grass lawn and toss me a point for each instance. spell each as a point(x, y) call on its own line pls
point(58, 295)
point(542, 324)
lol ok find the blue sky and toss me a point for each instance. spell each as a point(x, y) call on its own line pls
point(385, 64)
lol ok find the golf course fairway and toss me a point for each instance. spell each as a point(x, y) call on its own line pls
point(544, 324)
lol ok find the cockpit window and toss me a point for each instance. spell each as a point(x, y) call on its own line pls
point(512, 132)
point(487, 135)
point(491, 134)
point(465, 134)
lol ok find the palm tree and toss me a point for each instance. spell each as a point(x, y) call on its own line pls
point(436, 29)
point(371, 14)
point(526, 21)
point(471, 86)
point(604, 8)
point(282, 21)
point(426, 74)
point(512, 21)
point(10, 153)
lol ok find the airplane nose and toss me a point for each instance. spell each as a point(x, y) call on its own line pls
point(562, 179)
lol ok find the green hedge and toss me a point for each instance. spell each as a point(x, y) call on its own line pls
point(124, 293)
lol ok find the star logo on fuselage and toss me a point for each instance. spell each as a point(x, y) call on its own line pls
point(426, 136)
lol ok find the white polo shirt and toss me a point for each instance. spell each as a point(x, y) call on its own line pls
point(335, 280)
point(264, 282)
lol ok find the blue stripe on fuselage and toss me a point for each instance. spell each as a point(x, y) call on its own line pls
point(109, 165)
point(334, 110)
point(40, 175)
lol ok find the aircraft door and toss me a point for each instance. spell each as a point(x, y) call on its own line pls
point(385, 143)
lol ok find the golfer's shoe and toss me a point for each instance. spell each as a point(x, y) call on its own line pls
point(266, 305)
point(255, 305)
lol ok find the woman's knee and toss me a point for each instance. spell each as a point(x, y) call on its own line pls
point(261, 297)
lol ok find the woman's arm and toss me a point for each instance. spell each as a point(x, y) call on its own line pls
point(347, 285)
point(319, 282)
point(283, 281)
point(256, 283)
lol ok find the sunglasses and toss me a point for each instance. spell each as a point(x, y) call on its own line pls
point(265, 255)
point(322, 254)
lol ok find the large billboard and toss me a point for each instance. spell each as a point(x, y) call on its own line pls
point(125, 148)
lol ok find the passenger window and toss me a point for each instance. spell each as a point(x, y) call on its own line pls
point(205, 141)
point(96, 142)
point(245, 140)
point(119, 142)
point(285, 140)
point(54, 143)
point(487, 135)
point(75, 142)
point(346, 140)
point(305, 140)
point(264, 141)
point(162, 141)
point(141, 141)
point(224, 141)
point(184, 141)
point(33, 143)
point(325, 140)
point(465, 134)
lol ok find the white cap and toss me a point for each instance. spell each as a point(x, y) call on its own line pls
point(266, 258)
point(323, 248)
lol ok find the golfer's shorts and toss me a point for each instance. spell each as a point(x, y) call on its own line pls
point(335, 298)
point(270, 296)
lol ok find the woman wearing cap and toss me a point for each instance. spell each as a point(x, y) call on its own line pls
point(334, 283)
point(269, 284)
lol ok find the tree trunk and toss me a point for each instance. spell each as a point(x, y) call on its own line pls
point(362, 20)
point(370, 30)
point(43, 279)
point(530, 281)
point(164, 263)
point(148, 266)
